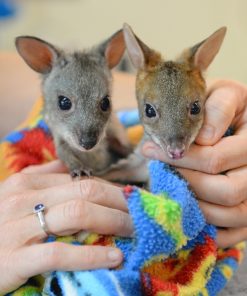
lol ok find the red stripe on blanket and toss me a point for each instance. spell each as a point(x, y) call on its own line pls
point(35, 147)
point(197, 256)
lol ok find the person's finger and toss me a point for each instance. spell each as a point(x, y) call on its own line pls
point(55, 166)
point(35, 177)
point(220, 109)
point(225, 216)
point(230, 236)
point(225, 100)
point(230, 152)
point(61, 256)
point(227, 190)
point(90, 190)
point(77, 215)
point(66, 219)
point(20, 182)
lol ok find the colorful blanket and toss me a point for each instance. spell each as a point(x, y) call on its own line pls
point(173, 251)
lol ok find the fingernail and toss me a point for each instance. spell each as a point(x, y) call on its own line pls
point(114, 255)
point(207, 132)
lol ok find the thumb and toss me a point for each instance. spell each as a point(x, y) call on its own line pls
point(220, 109)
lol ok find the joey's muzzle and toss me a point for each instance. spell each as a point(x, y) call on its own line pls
point(176, 147)
point(88, 144)
point(176, 152)
point(88, 140)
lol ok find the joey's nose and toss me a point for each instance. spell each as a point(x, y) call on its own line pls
point(88, 143)
point(176, 153)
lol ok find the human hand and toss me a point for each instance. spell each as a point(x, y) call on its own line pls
point(71, 206)
point(222, 198)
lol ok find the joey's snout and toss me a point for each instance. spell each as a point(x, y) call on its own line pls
point(88, 143)
point(175, 152)
point(88, 140)
point(176, 148)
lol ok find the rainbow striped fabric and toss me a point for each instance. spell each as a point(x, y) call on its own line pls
point(173, 251)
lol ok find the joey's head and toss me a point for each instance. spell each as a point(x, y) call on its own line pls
point(171, 94)
point(76, 87)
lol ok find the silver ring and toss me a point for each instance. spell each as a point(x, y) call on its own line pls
point(39, 210)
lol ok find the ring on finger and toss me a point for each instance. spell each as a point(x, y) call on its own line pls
point(39, 210)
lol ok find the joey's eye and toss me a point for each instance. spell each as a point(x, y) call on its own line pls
point(195, 108)
point(105, 103)
point(150, 111)
point(64, 103)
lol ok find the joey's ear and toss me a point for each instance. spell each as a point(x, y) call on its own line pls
point(140, 54)
point(113, 49)
point(203, 53)
point(38, 54)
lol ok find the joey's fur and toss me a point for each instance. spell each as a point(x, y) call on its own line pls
point(174, 89)
point(87, 138)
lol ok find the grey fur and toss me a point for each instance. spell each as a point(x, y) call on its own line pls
point(85, 78)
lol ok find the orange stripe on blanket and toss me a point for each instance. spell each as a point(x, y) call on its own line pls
point(34, 116)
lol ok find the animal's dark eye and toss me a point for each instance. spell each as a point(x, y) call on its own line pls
point(64, 103)
point(195, 108)
point(105, 103)
point(150, 111)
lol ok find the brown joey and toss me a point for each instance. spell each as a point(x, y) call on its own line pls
point(171, 94)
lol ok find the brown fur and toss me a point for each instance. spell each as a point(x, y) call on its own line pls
point(173, 89)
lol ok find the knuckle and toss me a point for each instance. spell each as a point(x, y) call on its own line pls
point(122, 221)
point(207, 215)
point(18, 181)
point(52, 255)
point(15, 201)
point(93, 191)
point(242, 210)
point(77, 211)
point(215, 163)
point(233, 195)
point(90, 256)
point(227, 200)
point(88, 188)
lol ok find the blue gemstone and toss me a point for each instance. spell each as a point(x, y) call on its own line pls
point(39, 207)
